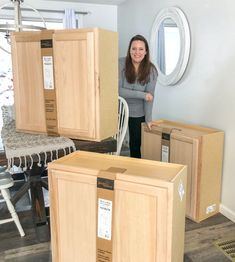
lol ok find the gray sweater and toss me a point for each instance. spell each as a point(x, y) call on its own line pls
point(135, 93)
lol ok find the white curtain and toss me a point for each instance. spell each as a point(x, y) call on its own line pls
point(69, 20)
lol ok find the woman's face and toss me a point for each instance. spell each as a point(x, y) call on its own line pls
point(137, 51)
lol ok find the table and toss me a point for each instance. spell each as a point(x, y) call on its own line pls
point(33, 152)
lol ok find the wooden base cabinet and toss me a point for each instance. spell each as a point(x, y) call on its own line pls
point(201, 149)
point(148, 208)
point(82, 69)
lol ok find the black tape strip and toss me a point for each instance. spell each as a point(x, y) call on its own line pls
point(166, 136)
point(46, 43)
point(105, 183)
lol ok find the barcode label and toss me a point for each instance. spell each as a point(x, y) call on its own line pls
point(165, 153)
point(104, 219)
point(48, 77)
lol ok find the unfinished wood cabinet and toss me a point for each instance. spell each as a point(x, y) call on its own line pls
point(84, 76)
point(148, 209)
point(201, 149)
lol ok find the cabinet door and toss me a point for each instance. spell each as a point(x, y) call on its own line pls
point(73, 216)
point(185, 151)
point(74, 55)
point(28, 85)
point(141, 224)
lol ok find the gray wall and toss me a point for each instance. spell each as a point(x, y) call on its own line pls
point(206, 93)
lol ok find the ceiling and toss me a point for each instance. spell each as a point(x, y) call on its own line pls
point(101, 2)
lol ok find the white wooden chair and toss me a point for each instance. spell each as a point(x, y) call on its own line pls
point(6, 182)
point(123, 116)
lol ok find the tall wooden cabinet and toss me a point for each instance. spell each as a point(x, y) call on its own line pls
point(84, 76)
point(201, 149)
point(148, 208)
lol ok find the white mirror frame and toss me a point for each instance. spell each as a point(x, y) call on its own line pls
point(179, 18)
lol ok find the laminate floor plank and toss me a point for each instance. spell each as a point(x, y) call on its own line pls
point(200, 239)
point(214, 220)
point(31, 253)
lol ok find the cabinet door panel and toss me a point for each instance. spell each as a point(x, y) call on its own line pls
point(181, 152)
point(74, 209)
point(28, 86)
point(76, 86)
point(140, 213)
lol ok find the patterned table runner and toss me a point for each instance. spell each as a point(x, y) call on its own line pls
point(20, 145)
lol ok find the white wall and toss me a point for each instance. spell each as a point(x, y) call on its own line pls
point(206, 93)
point(103, 16)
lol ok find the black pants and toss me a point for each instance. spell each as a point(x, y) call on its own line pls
point(135, 135)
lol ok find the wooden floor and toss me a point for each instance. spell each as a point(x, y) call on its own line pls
point(199, 238)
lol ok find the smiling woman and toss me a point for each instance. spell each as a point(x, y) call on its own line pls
point(137, 81)
point(137, 52)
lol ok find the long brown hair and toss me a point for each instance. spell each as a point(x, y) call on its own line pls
point(145, 67)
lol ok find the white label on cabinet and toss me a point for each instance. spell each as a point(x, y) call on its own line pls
point(181, 190)
point(165, 153)
point(48, 72)
point(104, 218)
point(210, 209)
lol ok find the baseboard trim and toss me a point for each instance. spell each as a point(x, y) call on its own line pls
point(227, 212)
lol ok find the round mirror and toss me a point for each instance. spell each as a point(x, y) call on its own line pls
point(170, 45)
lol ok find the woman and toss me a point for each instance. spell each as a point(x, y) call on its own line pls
point(137, 81)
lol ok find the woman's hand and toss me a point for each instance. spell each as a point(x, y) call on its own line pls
point(148, 97)
point(149, 125)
